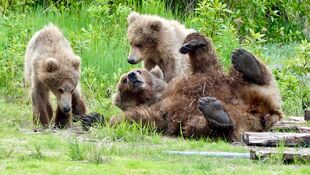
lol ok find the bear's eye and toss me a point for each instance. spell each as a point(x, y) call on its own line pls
point(61, 90)
point(124, 80)
point(139, 45)
point(139, 72)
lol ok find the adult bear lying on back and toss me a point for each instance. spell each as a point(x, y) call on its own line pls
point(209, 102)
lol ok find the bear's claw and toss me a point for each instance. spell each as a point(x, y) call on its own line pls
point(89, 120)
point(192, 46)
point(245, 63)
point(213, 111)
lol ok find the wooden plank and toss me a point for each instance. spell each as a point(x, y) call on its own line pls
point(291, 128)
point(286, 154)
point(271, 139)
point(307, 114)
point(291, 122)
point(297, 119)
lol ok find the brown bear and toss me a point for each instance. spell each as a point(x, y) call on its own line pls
point(139, 87)
point(208, 102)
point(156, 41)
point(51, 65)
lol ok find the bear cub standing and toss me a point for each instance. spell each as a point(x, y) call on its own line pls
point(156, 41)
point(51, 65)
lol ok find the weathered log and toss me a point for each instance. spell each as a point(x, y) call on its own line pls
point(297, 119)
point(271, 139)
point(286, 154)
point(291, 122)
point(291, 128)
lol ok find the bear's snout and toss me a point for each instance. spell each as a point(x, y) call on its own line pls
point(132, 76)
point(66, 109)
point(131, 61)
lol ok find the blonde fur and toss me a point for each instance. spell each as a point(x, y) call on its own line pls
point(160, 40)
point(51, 65)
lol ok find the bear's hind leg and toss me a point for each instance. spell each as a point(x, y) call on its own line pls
point(252, 70)
point(213, 111)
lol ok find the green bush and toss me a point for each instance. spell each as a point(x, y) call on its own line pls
point(294, 82)
point(97, 32)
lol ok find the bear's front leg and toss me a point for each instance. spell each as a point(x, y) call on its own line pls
point(78, 104)
point(213, 111)
point(201, 53)
point(40, 105)
point(62, 119)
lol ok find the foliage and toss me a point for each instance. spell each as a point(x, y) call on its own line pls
point(294, 82)
point(97, 32)
point(270, 17)
point(261, 20)
point(211, 17)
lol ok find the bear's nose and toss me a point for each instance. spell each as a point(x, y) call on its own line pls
point(132, 76)
point(66, 109)
point(131, 61)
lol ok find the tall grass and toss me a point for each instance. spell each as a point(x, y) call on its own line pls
point(98, 35)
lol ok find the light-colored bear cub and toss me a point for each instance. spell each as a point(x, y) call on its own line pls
point(51, 65)
point(156, 41)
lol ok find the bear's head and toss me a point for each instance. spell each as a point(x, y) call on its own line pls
point(138, 87)
point(144, 33)
point(61, 77)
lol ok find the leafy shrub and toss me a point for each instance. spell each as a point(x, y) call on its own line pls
point(270, 17)
point(210, 17)
point(14, 34)
point(294, 82)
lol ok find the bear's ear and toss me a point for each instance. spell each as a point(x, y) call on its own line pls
point(157, 72)
point(132, 17)
point(51, 64)
point(76, 62)
point(156, 25)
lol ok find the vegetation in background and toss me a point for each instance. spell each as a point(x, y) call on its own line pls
point(97, 31)
point(275, 30)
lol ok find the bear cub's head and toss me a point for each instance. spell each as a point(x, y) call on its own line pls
point(144, 33)
point(62, 79)
point(139, 87)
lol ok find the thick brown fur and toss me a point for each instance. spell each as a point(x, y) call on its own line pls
point(51, 65)
point(156, 41)
point(250, 106)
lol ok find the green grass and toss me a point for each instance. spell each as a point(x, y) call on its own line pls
point(101, 42)
point(133, 152)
